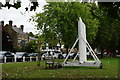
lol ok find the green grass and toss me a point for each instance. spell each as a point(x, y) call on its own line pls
point(31, 70)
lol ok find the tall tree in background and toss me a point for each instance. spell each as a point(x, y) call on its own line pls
point(108, 33)
point(62, 20)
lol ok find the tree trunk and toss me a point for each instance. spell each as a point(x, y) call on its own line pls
point(67, 50)
point(118, 52)
point(102, 52)
point(39, 44)
point(38, 59)
point(113, 53)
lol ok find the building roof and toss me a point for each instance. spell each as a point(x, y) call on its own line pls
point(18, 30)
point(32, 38)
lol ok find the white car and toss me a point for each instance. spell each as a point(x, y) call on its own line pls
point(19, 56)
point(2, 55)
point(58, 55)
point(71, 55)
point(55, 54)
point(9, 56)
point(45, 55)
point(64, 55)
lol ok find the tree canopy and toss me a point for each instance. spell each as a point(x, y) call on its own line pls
point(17, 4)
point(61, 19)
point(108, 34)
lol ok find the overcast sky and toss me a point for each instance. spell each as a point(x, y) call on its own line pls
point(19, 16)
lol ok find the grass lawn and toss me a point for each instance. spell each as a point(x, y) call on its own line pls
point(31, 70)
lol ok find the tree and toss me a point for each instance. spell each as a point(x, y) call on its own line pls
point(108, 32)
point(17, 4)
point(40, 41)
point(62, 19)
point(31, 34)
point(31, 47)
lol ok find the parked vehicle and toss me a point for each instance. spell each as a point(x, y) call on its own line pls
point(64, 55)
point(47, 54)
point(55, 54)
point(20, 55)
point(33, 55)
point(27, 56)
point(2, 56)
point(9, 56)
point(58, 55)
point(71, 56)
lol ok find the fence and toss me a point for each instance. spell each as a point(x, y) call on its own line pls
point(22, 59)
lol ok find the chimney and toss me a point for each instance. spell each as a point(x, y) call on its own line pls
point(22, 27)
point(10, 22)
point(2, 23)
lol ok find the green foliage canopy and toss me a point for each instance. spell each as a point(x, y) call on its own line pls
point(108, 33)
point(17, 5)
point(31, 47)
point(61, 19)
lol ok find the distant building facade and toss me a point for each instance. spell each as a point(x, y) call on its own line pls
point(17, 37)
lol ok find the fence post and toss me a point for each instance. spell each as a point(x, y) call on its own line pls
point(23, 58)
point(36, 58)
point(5, 59)
point(15, 59)
point(41, 59)
point(30, 58)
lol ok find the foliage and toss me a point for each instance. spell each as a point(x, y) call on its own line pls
point(40, 41)
point(31, 34)
point(34, 45)
point(108, 35)
point(19, 49)
point(17, 5)
point(108, 32)
point(31, 47)
point(111, 9)
point(60, 20)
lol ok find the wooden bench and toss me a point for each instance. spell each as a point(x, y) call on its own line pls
point(51, 62)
